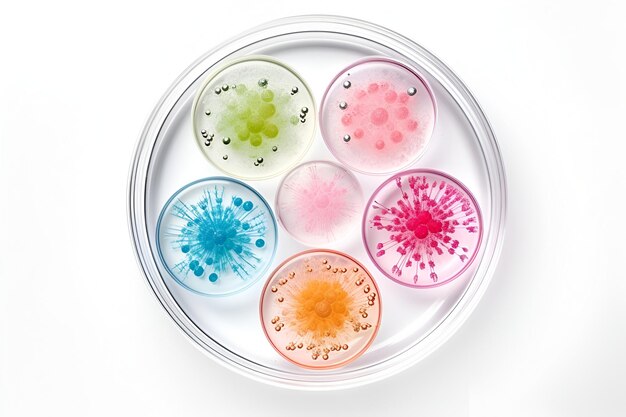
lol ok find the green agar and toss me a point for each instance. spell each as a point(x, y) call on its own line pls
point(255, 118)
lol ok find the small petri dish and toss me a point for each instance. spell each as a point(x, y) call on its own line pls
point(216, 236)
point(422, 228)
point(319, 202)
point(254, 117)
point(378, 115)
point(320, 309)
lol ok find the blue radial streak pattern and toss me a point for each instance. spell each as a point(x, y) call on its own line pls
point(219, 235)
point(216, 236)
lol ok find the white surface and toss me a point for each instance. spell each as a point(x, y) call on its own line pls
point(81, 334)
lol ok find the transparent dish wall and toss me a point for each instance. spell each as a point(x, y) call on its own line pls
point(415, 321)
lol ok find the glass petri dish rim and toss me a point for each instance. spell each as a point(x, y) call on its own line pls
point(277, 209)
point(324, 24)
point(207, 180)
point(425, 171)
point(224, 66)
point(331, 252)
point(327, 137)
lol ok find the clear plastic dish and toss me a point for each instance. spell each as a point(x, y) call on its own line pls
point(415, 321)
point(318, 202)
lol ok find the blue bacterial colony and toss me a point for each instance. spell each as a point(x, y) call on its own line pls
point(216, 236)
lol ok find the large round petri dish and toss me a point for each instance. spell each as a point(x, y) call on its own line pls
point(415, 321)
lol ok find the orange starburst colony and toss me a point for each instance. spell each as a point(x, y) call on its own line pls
point(320, 309)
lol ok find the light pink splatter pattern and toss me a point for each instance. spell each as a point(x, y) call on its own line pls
point(377, 116)
point(319, 202)
point(422, 228)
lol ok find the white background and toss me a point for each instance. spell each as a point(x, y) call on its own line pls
point(80, 332)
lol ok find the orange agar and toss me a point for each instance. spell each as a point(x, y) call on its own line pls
point(320, 309)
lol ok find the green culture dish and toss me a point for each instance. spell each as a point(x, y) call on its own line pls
point(254, 118)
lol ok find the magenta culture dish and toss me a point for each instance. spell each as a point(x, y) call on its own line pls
point(422, 228)
point(370, 203)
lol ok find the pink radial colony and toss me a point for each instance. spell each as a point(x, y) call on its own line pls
point(422, 228)
point(378, 115)
point(318, 202)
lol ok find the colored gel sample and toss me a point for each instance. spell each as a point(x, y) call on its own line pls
point(319, 202)
point(377, 116)
point(254, 118)
point(216, 236)
point(422, 228)
point(320, 309)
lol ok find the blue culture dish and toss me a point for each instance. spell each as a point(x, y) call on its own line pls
point(216, 236)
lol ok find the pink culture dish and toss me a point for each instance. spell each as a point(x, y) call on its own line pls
point(422, 228)
point(378, 115)
point(319, 202)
